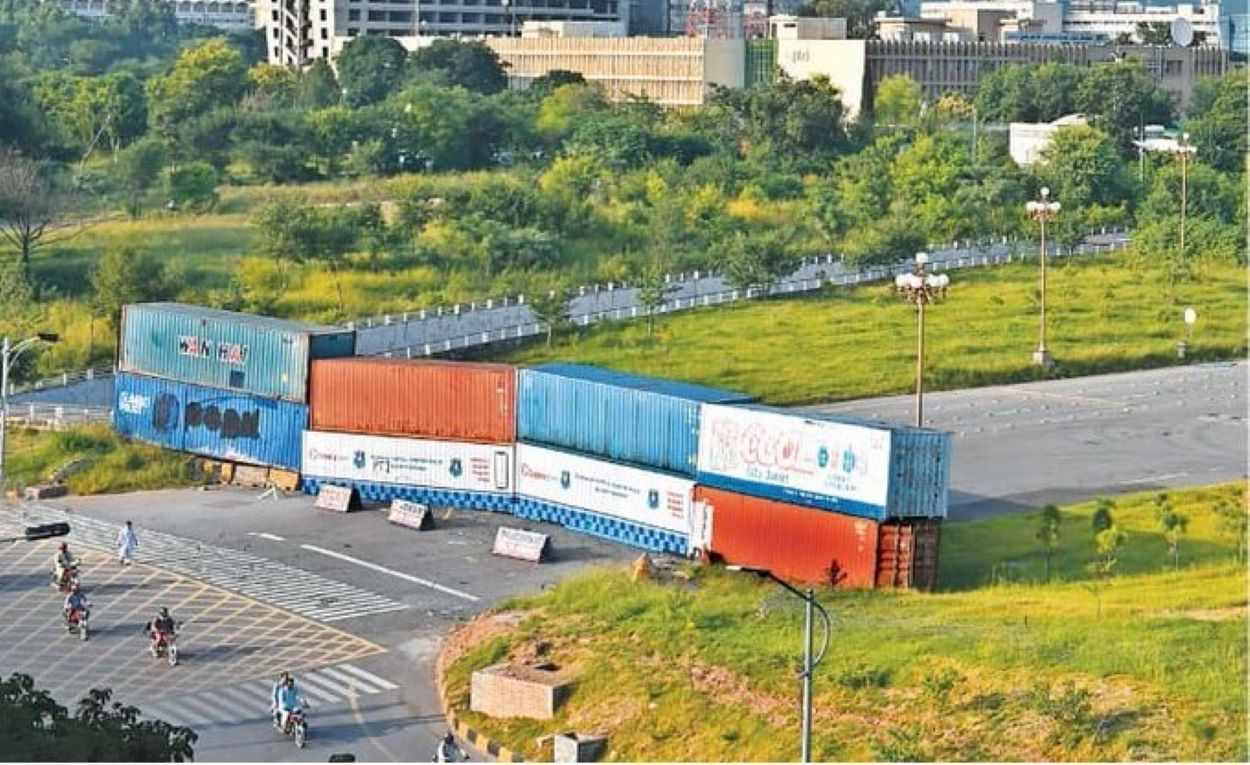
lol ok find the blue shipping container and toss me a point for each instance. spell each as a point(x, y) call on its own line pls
point(223, 349)
point(791, 455)
point(629, 418)
point(223, 424)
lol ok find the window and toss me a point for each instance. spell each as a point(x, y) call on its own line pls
point(324, 34)
point(1173, 67)
point(352, 31)
point(353, 15)
point(275, 15)
point(323, 14)
point(403, 17)
point(377, 15)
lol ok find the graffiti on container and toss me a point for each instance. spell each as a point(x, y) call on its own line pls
point(204, 348)
point(168, 414)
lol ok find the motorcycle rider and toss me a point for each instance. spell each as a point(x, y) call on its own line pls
point(63, 561)
point(162, 624)
point(287, 700)
point(76, 600)
point(449, 751)
point(273, 697)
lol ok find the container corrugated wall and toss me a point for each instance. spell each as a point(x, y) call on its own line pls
point(626, 418)
point(223, 349)
point(907, 553)
point(871, 469)
point(442, 400)
point(796, 543)
point(227, 425)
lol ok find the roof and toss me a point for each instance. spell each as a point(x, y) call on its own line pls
point(252, 320)
point(657, 385)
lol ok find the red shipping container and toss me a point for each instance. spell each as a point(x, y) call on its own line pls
point(907, 553)
point(444, 400)
point(798, 544)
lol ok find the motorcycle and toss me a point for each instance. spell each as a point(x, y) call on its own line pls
point(165, 644)
point(67, 578)
point(297, 725)
point(76, 619)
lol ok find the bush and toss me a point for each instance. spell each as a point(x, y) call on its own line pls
point(192, 186)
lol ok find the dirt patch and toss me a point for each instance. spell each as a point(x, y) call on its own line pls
point(1214, 614)
point(475, 632)
point(726, 687)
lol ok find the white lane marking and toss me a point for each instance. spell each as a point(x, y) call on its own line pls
point(387, 684)
point(1152, 478)
point(355, 683)
point(324, 692)
point(319, 677)
point(207, 712)
point(361, 613)
point(263, 535)
point(397, 574)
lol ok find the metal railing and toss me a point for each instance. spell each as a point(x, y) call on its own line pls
point(62, 380)
point(56, 416)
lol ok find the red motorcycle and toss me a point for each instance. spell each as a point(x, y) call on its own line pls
point(76, 619)
point(297, 725)
point(67, 579)
point(164, 643)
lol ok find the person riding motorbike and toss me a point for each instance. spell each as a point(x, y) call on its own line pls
point(273, 696)
point(286, 700)
point(161, 625)
point(76, 600)
point(449, 751)
point(63, 561)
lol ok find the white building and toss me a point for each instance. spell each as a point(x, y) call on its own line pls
point(230, 15)
point(1029, 140)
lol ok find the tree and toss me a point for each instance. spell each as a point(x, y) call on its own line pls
point(471, 65)
point(800, 123)
point(293, 231)
point(1048, 533)
point(1055, 88)
point(33, 210)
point(1107, 544)
point(542, 86)
point(273, 86)
point(192, 186)
point(318, 87)
point(552, 306)
point(565, 108)
point(1082, 169)
point(1234, 519)
point(1006, 95)
point(1121, 97)
point(897, 102)
point(107, 110)
point(758, 261)
point(859, 14)
point(125, 276)
point(139, 166)
point(1173, 523)
point(616, 141)
point(1102, 520)
point(1217, 124)
point(370, 69)
point(33, 727)
point(1153, 33)
point(653, 291)
point(22, 122)
point(204, 77)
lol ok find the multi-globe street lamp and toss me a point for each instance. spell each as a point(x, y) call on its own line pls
point(809, 662)
point(9, 352)
point(921, 287)
point(1043, 211)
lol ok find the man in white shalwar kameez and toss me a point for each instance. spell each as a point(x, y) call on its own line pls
point(127, 543)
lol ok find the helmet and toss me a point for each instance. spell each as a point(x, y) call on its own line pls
point(449, 738)
point(164, 613)
point(64, 546)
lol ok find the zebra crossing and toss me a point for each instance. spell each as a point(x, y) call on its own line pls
point(276, 584)
point(249, 701)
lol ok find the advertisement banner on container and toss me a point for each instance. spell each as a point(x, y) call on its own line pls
point(605, 488)
point(408, 462)
point(834, 465)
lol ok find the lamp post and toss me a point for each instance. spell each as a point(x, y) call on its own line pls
point(921, 287)
point(1184, 151)
point(809, 662)
point(8, 354)
point(1043, 211)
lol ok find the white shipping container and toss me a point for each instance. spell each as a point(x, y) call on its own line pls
point(408, 461)
point(793, 458)
point(605, 488)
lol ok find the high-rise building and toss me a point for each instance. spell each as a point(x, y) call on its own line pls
point(230, 15)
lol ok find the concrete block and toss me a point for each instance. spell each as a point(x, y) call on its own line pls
point(510, 690)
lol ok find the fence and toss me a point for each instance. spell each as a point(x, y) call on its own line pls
point(63, 380)
point(56, 417)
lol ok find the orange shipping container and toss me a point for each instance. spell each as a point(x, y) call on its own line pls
point(798, 544)
point(907, 553)
point(445, 400)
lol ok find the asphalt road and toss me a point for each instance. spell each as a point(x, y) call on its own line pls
point(1021, 446)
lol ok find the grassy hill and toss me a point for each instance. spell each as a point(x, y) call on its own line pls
point(703, 669)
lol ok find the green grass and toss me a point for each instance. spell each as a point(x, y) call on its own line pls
point(1103, 314)
point(1023, 671)
point(115, 465)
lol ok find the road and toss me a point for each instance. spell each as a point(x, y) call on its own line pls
point(1021, 446)
point(354, 606)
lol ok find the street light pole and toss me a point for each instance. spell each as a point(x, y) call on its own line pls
point(1043, 211)
point(1183, 152)
point(8, 354)
point(809, 662)
point(921, 287)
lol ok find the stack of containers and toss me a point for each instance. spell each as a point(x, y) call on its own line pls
point(219, 384)
point(823, 499)
point(439, 432)
point(610, 454)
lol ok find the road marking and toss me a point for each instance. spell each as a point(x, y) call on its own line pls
point(388, 685)
point(360, 720)
point(397, 574)
point(263, 535)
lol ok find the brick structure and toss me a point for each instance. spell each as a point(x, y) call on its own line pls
point(508, 690)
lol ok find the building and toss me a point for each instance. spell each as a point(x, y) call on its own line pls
point(671, 71)
point(301, 31)
point(230, 15)
point(1028, 140)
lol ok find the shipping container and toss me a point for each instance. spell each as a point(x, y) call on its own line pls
point(441, 400)
point(440, 473)
point(223, 349)
point(623, 417)
point(870, 469)
point(641, 508)
point(907, 553)
point(223, 424)
point(798, 544)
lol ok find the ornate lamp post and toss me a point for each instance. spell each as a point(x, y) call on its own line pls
point(1043, 211)
point(921, 287)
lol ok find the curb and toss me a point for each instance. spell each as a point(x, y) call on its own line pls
point(482, 743)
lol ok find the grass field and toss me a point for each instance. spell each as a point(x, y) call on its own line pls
point(704, 670)
point(112, 464)
point(1104, 314)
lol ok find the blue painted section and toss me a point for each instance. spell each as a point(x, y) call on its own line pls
point(223, 349)
point(612, 529)
point(627, 418)
point(385, 492)
point(222, 424)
